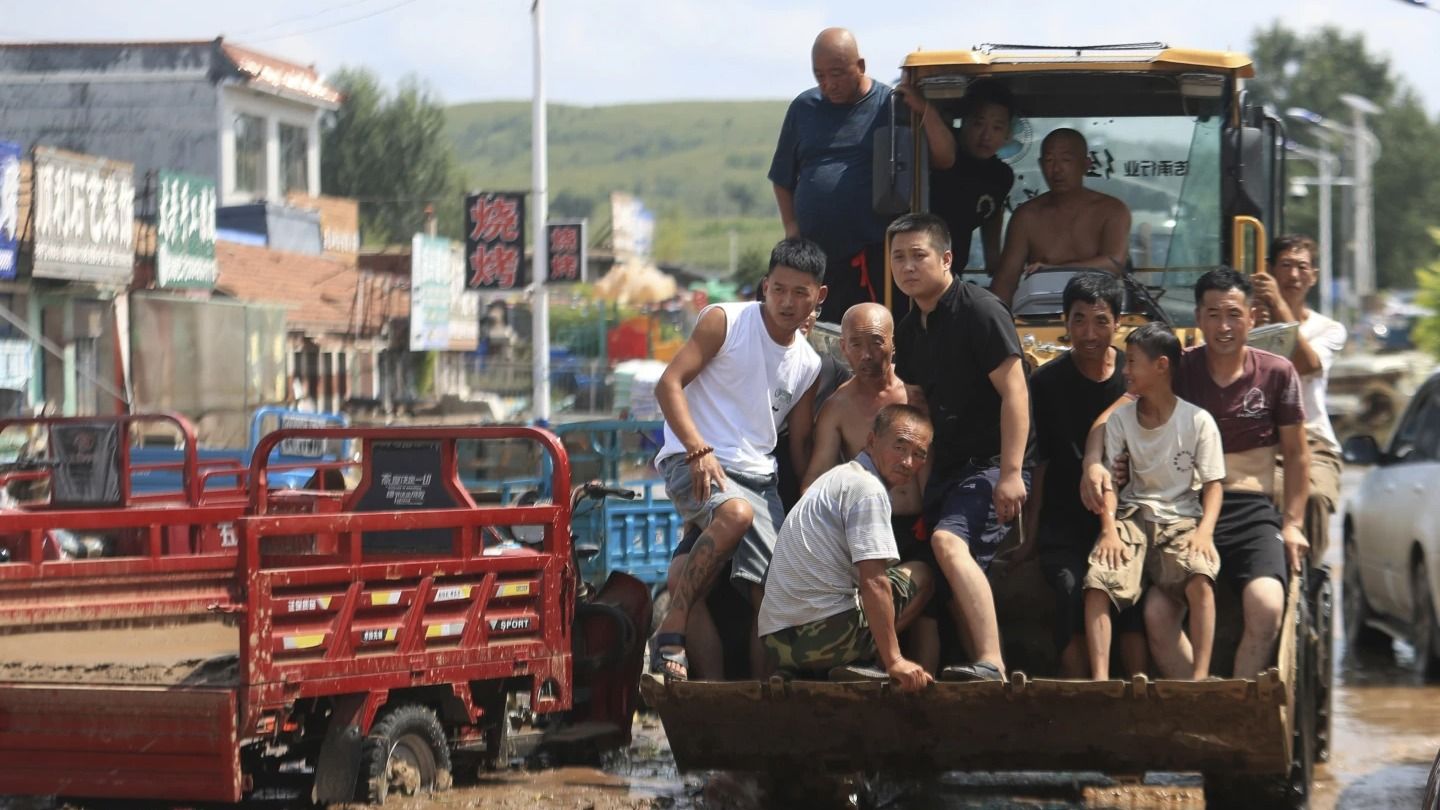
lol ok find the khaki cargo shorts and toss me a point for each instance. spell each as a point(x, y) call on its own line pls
point(1160, 554)
point(834, 641)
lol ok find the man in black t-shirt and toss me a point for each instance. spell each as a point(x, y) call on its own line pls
point(958, 343)
point(972, 193)
point(1067, 394)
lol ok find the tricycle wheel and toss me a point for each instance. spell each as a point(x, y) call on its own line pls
point(405, 752)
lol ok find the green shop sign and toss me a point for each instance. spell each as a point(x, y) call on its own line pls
point(185, 231)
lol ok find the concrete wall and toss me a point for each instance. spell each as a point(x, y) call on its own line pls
point(155, 107)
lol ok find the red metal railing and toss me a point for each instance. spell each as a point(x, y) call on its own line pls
point(325, 615)
point(188, 465)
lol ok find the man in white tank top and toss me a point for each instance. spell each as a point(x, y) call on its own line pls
point(744, 372)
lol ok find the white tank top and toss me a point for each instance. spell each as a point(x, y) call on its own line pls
point(740, 399)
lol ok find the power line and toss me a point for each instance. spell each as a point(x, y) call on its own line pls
point(338, 23)
point(299, 17)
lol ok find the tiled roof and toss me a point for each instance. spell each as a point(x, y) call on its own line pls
point(318, 292)
point(281, 76)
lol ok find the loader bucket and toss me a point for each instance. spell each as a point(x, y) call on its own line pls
point(1219, 726)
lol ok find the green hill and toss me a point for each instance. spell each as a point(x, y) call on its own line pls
point(700, 166)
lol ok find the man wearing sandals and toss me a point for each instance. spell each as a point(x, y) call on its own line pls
point(744, 371)
point(835, 595)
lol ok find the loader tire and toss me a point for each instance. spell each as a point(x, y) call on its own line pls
point(406, 753)
point(1290, 791)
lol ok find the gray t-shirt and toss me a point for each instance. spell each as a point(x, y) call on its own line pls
point(843, 519)
point(1168, 464)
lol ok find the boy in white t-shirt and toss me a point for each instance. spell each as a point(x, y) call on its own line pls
point(1161, 529)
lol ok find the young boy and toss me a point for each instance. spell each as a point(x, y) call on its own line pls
point(1162, 529)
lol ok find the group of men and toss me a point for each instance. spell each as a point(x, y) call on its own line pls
point(823, 178)
point(913, 471)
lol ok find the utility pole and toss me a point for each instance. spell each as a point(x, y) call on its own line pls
point(540, 300)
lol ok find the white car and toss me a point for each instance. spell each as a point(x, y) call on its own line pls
point(1392, 535)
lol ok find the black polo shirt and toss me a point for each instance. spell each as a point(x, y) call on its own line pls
point(967, 195)
point(950, 357)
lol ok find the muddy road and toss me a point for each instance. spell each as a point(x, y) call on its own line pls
point(1386, 734)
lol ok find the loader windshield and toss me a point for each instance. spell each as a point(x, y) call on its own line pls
point(1165, 168)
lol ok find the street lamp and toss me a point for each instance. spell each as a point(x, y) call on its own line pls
point(1328, 164)
point(1364, 151)
point(1364, 165)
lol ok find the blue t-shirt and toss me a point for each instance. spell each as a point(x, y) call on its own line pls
point(824, 156)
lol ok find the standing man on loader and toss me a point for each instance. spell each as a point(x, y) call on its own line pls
point(823, 173)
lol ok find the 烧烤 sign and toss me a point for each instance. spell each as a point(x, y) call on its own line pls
point(495, 240)
point(566, 251)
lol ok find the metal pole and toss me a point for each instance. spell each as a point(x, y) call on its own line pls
point(1364, 214)
point(1366, 150)
point(1327, 236)
point(540, 301)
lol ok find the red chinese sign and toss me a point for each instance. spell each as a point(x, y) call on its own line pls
point(566, 251)
point(495, 240)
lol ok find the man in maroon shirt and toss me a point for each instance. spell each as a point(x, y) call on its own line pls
point(1255, 398)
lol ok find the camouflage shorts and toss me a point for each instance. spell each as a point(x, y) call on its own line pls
point(834, 641)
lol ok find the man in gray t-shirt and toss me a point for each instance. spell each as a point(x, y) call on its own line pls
point(834, 595)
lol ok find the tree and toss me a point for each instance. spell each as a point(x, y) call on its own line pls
point(390, 151)
point(1427, 331)
point(1312, 71)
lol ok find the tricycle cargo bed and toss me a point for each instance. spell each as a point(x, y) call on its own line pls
point(119, 742)
point(202, 653)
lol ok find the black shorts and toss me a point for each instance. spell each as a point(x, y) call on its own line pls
point(1247, 535)
point(964, 505)
point(1064, 571)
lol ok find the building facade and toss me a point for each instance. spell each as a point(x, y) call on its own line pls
point(247, 120)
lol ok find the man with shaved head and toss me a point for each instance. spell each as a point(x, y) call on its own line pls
point(822, 169)
point(1067, 226)
point(867, 339)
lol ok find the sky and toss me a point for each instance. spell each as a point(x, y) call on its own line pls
point(614, 51)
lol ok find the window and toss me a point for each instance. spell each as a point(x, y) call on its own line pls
point(250, 154)
point(294, 159)
point(1418, 437)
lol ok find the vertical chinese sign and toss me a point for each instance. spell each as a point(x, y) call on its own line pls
point(567, 251)
point(495, 240)
point(9, 209)
point(185, 232)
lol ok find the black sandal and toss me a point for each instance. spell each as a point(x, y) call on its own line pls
point(660, 661)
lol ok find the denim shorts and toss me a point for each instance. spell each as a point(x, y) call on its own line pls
point(752, 557)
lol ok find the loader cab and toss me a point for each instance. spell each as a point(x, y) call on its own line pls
point(1170, 132)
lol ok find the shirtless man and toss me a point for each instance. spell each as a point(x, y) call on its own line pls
point(1069, 225)
point(867, 339)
